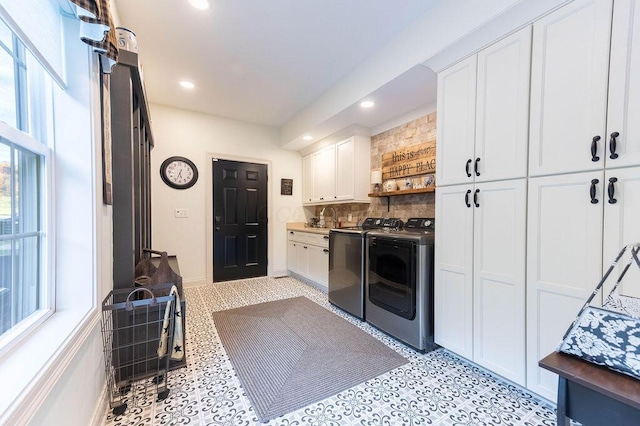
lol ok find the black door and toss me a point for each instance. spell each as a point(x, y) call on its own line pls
point(239, 220)
point(392, 276)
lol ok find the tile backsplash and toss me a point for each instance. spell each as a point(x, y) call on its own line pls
point(401, 206)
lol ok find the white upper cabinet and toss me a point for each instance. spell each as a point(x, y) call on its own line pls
point(339, 172)
point(345, 176)
point(570, 66)
point(502, 109)
point(456, 123)
point(307, 178)
point(623, 120)
point(483, 114)
point(324, 174)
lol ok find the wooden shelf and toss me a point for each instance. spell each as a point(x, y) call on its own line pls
point(402, 192)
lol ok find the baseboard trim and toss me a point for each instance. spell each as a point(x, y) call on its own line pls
point(194, 283)
point(309, 282)
point(101, 409)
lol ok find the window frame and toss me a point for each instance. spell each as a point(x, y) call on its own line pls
point(34, 114)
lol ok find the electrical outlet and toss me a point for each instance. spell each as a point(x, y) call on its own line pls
point(181, 213)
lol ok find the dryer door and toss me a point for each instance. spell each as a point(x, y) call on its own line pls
point(392, 276)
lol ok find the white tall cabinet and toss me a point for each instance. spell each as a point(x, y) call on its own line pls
point(584, 155)
point(579, 198)
point(481, 206)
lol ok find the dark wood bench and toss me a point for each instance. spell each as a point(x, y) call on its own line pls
point(593, 395)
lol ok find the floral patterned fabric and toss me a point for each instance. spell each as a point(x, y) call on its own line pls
point(606, 338)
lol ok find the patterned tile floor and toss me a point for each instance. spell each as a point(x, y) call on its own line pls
point(436, 388)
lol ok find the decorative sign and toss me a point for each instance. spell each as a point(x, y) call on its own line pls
point(412, 160)
point(286, 186)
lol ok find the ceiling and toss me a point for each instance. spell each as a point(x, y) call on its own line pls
point(264, 61)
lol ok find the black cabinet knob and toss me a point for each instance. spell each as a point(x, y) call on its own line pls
point(611, 190)
point(612, 145)
point(594, 148)
point(592, 191)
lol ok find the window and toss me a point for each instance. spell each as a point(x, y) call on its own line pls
point(24, 154)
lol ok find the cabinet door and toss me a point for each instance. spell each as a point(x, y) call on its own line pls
point(622, 224)
point(502, 109)
point(324, 174)
point(453, 270)
point(345, 161)
point(569, 72)
point(624, 85)
point(319, 265)
point(499, 240)
point(456, 122)
point(292, 259)
point(307, 179)
point(302, 259)
point(564, 263)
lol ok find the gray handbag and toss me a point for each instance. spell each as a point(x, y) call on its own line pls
point(609, 335)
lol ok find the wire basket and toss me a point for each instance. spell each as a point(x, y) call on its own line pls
point(133, 329)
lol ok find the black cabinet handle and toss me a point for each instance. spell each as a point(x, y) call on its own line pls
point(612, 190)
point(475, 198)
point(594, 148)
point(305, 247)
point(291, 232)
point(612, 145)
point(466, 198)
point(466, 168)
point(592, 191)
point(325, 237)
point(475, 166)
point(326, 250)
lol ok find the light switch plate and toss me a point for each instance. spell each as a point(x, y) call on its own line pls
point(181, 213)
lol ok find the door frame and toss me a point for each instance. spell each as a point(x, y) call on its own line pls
point(209, 208)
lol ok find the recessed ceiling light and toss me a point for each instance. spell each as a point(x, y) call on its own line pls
point(187, 84)
point(200, 4)
point(307, 137)
point(367, 104)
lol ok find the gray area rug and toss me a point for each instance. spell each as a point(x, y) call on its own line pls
point(291, 353)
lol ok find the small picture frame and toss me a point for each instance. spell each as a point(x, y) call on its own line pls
point(286, 186)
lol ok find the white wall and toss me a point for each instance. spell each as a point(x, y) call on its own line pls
point(197, 136)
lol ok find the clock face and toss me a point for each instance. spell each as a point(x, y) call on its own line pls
point(179, 172)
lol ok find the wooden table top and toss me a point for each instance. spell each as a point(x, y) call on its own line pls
point(615, 385)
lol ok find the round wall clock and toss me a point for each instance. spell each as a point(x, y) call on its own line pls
point(179, 172)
